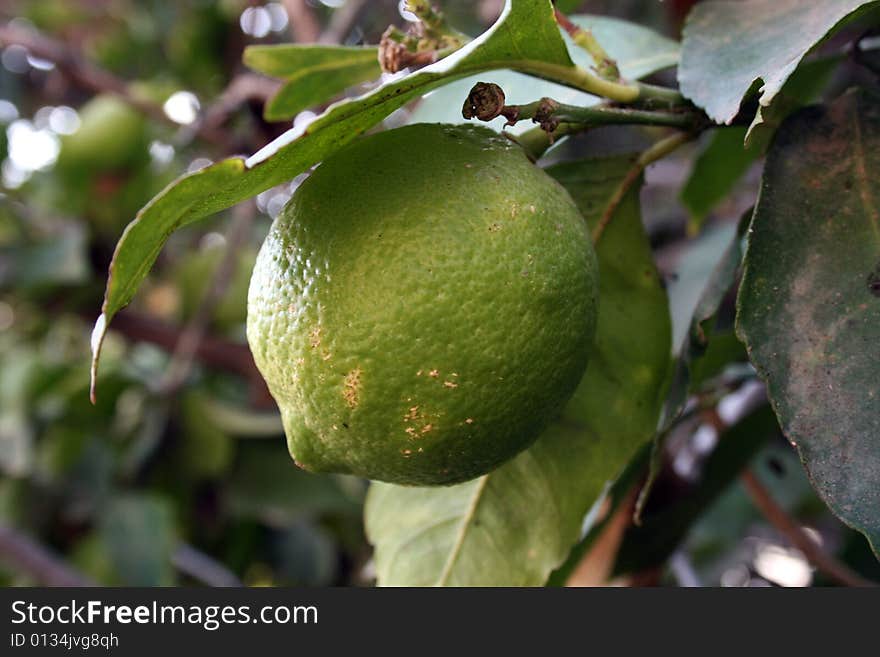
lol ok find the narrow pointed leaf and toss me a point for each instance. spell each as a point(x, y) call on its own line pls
point(518, 523)
point(809, 305)
point(313, 73)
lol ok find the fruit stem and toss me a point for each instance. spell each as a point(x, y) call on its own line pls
point(580, 78)
point(537, 141)
point(656, 152)
point(606, 66)
point(486, 101)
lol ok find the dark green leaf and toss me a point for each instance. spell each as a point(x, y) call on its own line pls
point(716, 172)
point(729, 46)
point(525, 33)
point(516, 524)
point(809, 305)
point(313, 73)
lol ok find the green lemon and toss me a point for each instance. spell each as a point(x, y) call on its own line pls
point(112, 136)
point(423, 306)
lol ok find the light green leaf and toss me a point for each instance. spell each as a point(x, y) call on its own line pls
point(525, 34)
point(809, 304)
point(639, 52)
point(516, 524)
point(313, 73)
point(729, 46)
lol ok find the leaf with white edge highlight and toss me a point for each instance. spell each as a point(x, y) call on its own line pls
point(638, 51)
point(524, 36)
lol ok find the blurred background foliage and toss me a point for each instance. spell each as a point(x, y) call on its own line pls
point(180, 474)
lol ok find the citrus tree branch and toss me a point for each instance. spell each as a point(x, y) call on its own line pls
point(198, 565)
point(88, 76)
point(303, 23)
point(788, 527)
point(188, 343)
point(342, 21)
point(241, 88)
point(584, 38)
point(658, 151)
point(36, 561)
point(486, 101)
point(215, 352)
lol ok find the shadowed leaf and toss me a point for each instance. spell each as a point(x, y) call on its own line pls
point(809, 305)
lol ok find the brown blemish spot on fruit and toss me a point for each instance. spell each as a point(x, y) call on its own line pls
point(469, 420)
point(406, 452)
point(449, 384)
point(494, 227)
point(419, 373)
point(427, 428)
point(434, 374)
point(351, 387)
point(411, 432)
point(412, 414)
point(532, 209)
point(315, 337)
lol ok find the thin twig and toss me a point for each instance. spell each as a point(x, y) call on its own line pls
point(342, 21)
point(683, 570)
point(215, 352)
point(89, 76)
point(788, 527)
point(486, 102)
point(304, 25)
point(242, 88)
point(33, 559)
point(658, 151)
point(198, 565)
point(584, 38)
point(194, 332)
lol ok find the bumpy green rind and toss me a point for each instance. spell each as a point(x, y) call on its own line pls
point(423, 307)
